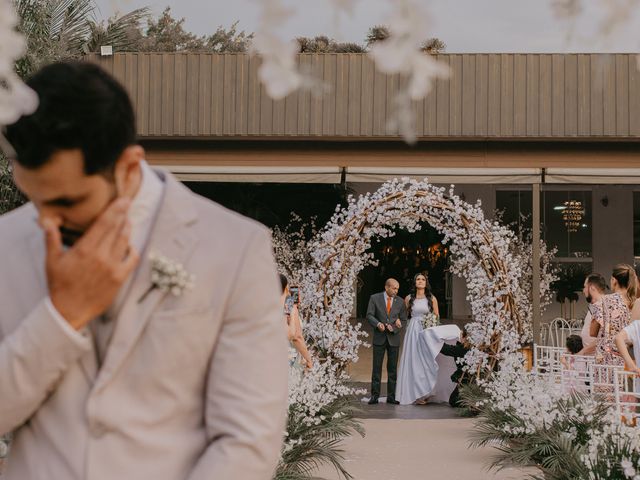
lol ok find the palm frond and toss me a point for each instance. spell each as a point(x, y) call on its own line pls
point(317, 443)
point(123, 33)
point(54, 30)
point(70, 23)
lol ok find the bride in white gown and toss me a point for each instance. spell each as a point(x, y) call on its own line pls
point(418, 373)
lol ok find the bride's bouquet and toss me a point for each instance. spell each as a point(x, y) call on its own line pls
point(429, 320)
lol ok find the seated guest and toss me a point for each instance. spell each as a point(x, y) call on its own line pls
point(574, 344)
point(574, 347)
point(576, 365)
point(457, 351)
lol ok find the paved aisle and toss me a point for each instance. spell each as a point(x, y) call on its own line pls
point(412, 449)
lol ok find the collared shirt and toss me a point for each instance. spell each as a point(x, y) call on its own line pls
point(142, 212)
point(386, 299)
point(587, 339)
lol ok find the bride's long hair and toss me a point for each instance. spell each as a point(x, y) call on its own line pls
point(427, 292)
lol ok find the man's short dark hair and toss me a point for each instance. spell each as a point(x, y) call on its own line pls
point(574, 343)
point(597, 281)
point(81, 107)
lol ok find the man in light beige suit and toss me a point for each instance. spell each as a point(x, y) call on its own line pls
point(103, 374)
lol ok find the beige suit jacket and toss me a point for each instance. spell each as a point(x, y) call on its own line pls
point(192, 387)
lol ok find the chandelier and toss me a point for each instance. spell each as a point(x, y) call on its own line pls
point(572, 214)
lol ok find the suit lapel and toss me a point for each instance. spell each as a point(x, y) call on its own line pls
point(171, 237)
point(396, 305)
point(383, 305)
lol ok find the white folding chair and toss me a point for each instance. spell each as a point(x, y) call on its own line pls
point(546, 361)
point(604, 381)
point(575, 372)
point(627, 397)
point(558, 331)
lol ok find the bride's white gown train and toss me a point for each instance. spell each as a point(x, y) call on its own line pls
point(423, 371)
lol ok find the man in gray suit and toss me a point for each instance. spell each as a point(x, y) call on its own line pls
point(105, 373)
point(386, 314)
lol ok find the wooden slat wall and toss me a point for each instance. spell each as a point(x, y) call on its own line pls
point(486, 96)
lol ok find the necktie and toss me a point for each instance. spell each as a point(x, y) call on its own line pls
point(388, 304)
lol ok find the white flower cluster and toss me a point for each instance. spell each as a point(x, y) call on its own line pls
point(533, 403)
point(429, 320)
point(615, 447)
point(291, 249)
point(530, 399)
point(401, 53)
point(278, 71)
point(314, 389)
point(16, 99)
point(169, 276)
point(522, 251)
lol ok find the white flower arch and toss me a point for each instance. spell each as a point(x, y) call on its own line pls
point(480, 251)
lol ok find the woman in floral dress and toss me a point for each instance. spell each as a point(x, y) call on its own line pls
point(611, 314)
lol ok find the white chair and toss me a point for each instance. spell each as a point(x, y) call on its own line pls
point(576, 372)
point(557, 332)
point(627, 397)
point(546, 361)
point(604, 381)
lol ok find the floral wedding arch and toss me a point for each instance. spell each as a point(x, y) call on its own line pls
point(481, 255)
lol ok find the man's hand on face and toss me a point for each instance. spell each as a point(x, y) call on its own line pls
point(84, 280)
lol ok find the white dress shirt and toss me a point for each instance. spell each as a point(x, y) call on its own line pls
point(587, 339)
point(142, 212)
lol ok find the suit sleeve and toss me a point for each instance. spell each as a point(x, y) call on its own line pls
point(246, 392)
point(33, 358)
point(371, 313)
point(455, 351)
point(403, 314)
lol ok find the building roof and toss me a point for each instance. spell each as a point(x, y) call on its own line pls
point(488, 97)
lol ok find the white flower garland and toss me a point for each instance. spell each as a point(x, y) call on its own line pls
point(481, 255)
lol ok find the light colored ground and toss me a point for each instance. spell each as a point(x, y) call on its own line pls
point(418, 449)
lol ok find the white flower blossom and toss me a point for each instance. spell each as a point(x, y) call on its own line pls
point(16, 99)
point(169, 276)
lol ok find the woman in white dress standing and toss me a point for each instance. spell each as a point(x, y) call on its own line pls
point(416, 377)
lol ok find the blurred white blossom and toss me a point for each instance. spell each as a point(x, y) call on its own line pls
point(16, 99)
point(278, 71)
point(402, 54)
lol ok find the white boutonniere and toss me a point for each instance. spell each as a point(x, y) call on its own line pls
point(168, 276)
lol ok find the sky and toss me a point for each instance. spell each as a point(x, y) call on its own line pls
point(466, 26)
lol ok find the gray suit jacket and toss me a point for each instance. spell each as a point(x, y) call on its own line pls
point(192, 387)
point(377, 313)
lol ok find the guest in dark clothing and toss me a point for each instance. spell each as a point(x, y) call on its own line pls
point(457, 351)
point(574, 344)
